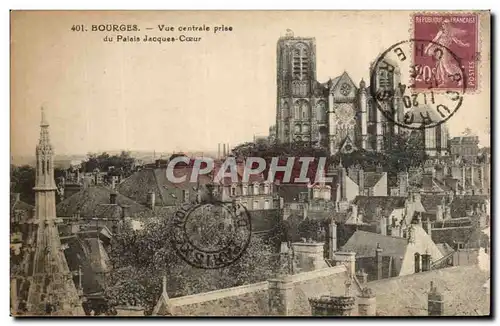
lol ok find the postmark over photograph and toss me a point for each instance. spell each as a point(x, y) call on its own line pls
point(406, 104)
point(250, 163)
point(211, 235)
point(457, 32)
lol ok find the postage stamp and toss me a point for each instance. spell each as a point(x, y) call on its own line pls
point(404, 103)
point(456, 32)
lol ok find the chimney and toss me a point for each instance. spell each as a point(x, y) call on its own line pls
point(310, 255)
point(361, 180)
point(428, 227)
point(426, 262)
point(435, 302)
point(112, 198)
point(367, 303)
point(362, 276)
point(151, 200)
point(447, 213)
point(158, 163)
point(427, 180)
point(439, 213)
point(379, 169)
point(218, 151)
point(342, 181)
point(328, 305)
point(125, 212)
point(354, 211)
point(281, 296)
point(332, 239)
point(403, 183)
point(378, 258)
point(463, 179)
point(383, 225)
point(348, 259)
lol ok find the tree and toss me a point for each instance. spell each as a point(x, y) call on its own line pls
point(22, 181)
point(141, 258)
point(124, 163)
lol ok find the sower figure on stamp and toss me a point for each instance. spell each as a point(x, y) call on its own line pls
point(446, 66)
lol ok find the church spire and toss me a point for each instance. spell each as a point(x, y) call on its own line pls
point(44, 157)
point(44, 122)
point(51, 286)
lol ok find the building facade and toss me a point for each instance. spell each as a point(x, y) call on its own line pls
point(338, 114)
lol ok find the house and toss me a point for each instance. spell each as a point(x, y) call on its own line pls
point(462, 291)
point(383, 256)
point(370, 183)
point(98, 205)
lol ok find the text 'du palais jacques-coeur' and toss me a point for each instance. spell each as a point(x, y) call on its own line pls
point(157, 34)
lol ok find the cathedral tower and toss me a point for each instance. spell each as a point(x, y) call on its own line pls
point(296, 77)
point(52, 290)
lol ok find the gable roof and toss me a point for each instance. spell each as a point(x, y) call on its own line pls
point(460, 204)
point(17, 204)
point(369, 205)
point(94, 201)
point(430, 202)
point(154, 180)
point(462, 287)
point(365, 243)
point(336, 81)
point(343, 147)
point(372, 178)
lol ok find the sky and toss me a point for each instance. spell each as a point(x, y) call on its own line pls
point(186, 96)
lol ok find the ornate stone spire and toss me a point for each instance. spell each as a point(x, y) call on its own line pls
point(44, 158)
point(52, 290)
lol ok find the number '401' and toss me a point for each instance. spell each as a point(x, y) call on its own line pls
point(77, 28)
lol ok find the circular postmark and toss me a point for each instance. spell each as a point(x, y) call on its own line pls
point(418, 84)
point(211, 235)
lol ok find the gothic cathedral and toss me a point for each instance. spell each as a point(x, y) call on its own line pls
point(337, 115)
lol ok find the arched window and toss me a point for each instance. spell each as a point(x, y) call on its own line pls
point(302, 110)
point(297, 129)
point(300, 61)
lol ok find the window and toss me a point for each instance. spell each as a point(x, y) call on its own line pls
point(417, 263)
point(256, 204)
point(244, 190)
point(300, 61)
point(185, 195)
point(256, 189)
point(267, 204)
